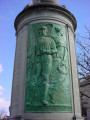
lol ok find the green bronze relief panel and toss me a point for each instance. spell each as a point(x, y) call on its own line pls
point(47, 72)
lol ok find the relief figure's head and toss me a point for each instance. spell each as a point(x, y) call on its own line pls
point(43, 31)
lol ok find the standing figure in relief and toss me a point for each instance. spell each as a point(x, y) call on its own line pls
point(45, 48)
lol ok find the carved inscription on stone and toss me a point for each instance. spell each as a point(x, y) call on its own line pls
point(47, 76)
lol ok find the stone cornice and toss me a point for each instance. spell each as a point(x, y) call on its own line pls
point(45, 6)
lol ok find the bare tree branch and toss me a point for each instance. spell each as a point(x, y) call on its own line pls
point(83, 55)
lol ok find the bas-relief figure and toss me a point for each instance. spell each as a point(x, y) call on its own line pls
point(47, 77)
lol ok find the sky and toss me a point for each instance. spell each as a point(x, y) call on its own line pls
point(9, 9)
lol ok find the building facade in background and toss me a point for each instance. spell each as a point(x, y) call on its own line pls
point(85, 98)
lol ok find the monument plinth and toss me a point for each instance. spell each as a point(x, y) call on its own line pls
point(45, 82)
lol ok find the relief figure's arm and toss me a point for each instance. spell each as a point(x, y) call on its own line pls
point(53, 48)
point(45, 51)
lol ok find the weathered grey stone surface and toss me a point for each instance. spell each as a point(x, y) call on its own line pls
point(18, 88)
point(37, 14)
point(74, 75)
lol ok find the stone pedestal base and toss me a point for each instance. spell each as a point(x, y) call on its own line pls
point(45, 116)
point(51, 116)
point(58, 119)
point(77, 118)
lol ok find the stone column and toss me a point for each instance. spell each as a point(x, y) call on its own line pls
point(45, 82)
point(45, 1)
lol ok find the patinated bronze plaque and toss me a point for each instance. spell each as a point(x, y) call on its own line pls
point(48, 86)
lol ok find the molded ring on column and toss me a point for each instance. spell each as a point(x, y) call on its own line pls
point(30, 9)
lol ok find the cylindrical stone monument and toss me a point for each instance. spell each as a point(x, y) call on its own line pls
point(45, 81)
